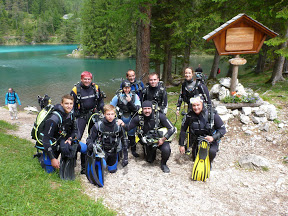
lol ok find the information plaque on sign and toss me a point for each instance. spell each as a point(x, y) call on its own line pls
point(241, 38)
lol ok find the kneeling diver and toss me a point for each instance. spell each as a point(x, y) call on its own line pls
point(149, 122)
point(59, 136)
point(107, 137)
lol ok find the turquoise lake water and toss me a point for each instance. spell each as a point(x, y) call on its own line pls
point(45, 69)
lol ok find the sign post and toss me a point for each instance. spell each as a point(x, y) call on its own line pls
point(240, 35)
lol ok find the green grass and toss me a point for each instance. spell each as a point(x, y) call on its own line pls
point(26, 189)
point(4, 126)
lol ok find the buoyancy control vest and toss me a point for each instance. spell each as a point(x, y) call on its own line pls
point(158, 95)
point(123, 104)
point(79, 102)
point(202, 124)
point(149, 133)
point(65, 125)
point(192, 89)
point(109, 140)
point(136, 86)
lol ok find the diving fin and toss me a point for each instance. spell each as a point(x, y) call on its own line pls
point(95, 169)
point(67, 164)
point(67, 168)
point(201, 168)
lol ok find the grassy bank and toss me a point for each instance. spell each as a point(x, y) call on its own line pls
point(26, 189)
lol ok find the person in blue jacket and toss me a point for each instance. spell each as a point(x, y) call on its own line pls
point(136, 85)
point(127, 103)
point(10, 101)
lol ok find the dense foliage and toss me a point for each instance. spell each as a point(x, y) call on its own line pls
point(109, 28)
point(36, 21)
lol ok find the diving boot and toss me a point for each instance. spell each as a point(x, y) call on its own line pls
point(133, 151)
point(133, 146)
point(164, 167)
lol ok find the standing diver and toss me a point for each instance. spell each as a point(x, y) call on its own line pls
point(202, 122)
point(155, 91)
point(191, 88)
point(127, 103)
point(88, 99)
point(110, 138)
point(149, 123)
point(136, 85)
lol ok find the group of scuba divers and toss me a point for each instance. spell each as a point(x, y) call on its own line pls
point(136, 114)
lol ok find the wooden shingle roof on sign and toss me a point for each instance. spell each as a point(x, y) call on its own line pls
point(240, 35)
point(226, 25)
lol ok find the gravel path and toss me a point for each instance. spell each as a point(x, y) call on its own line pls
point(143, 189)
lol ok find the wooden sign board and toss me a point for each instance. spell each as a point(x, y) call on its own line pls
point(238, 61)
point(240, 38)
point(240, 35)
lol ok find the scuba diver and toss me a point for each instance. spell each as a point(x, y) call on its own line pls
point(191, 88)
point(88, 99)
point(155, 91)
point(59, 136)
point(149, 124)
point(136, 85)
point(127, 103)
point(203, 123)
point(108, 138)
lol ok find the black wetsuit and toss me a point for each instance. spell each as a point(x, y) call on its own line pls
point(190, 89)
point(53, 126)
point(199, 125)
point(148, 128)
point(91, 101)
point(157, 94)
point(110, 135)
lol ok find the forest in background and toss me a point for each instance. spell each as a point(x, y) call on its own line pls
point(155, 32)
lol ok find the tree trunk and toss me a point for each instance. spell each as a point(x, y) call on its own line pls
point(261, 60)
point(278, 66)
point(215, 66)
point(230, 71)
point(285, 66)
point(157, 61)
point(143, 41)
point(186, 56)
point(164, 77)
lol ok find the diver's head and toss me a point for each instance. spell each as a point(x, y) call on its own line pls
point(86, 78)
point(147, 108)
point(130, 75)
point(126, 86)
point(109, 112)
point(197, 104)
point(188, 73)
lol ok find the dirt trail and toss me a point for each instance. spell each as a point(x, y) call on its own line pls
point(143, 189)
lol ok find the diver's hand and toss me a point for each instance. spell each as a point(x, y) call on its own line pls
point(182, 149)
point(124, 162)
point(120, 122)
point(69, 140)
point(161, 141)
point(209, 138)
point(55, 163)
point(128, 98)
point(177, 112)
